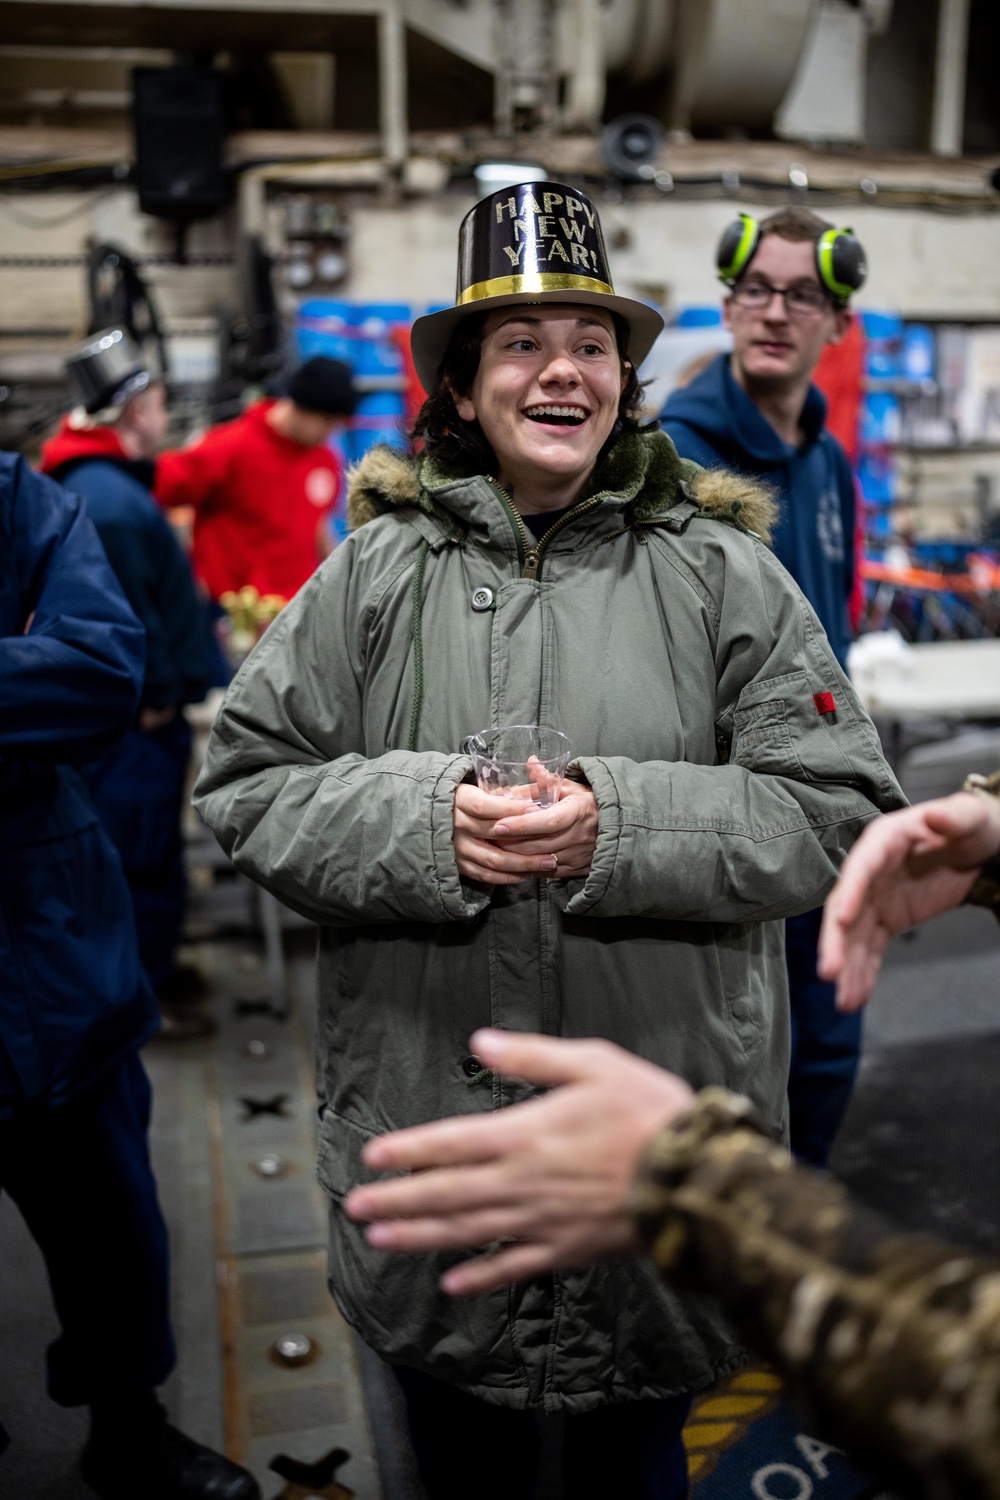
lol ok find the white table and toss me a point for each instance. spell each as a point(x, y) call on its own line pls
point(955, 679)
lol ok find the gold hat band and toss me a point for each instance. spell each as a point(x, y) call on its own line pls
point(541, 281)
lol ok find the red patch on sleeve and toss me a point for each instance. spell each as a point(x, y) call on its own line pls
point(824, 703)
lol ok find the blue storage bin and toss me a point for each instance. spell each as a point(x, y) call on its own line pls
point(374, 318)
point(877, 476)
point(380, 418)
point(385, 431)
point(919, 353)
point(951, 556)
point(325, 326)
point(880, 418)
point(699, 317)
point(883, 344)
point(339, 444)
point(380, 404)
point(373, 323)
point(878, 523)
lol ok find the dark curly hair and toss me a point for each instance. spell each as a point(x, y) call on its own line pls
point(460, 447)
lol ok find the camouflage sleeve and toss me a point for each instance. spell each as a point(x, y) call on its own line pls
point(892, 1340)
point(986, 891)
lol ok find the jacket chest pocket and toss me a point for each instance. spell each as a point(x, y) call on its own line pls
point(762, 740)
point(787, 735)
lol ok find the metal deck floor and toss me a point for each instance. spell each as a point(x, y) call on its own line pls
point(248, 1250)
point(233, 1143)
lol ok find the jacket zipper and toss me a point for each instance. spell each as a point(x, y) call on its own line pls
point(529, 552)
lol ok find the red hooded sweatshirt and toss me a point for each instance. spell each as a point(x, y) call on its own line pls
point(68, 445)
point(258, 501)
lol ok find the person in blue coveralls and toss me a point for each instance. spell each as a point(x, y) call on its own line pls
point(104, 450)
point(789, 278)
point(75, 1006)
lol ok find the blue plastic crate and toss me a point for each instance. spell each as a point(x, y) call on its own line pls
point(877, 476)
point(919, 353)
point(883, 344)
point(699, 317)
point(325, 326)
point(360, 333)
point(880, 419)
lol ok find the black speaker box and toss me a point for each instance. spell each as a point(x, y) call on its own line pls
point(630, 146)
point(179, 121)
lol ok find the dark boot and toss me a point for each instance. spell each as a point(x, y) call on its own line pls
point(133, 1450)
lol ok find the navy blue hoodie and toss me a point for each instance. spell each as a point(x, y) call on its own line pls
point(73, 997)
point(714, 422)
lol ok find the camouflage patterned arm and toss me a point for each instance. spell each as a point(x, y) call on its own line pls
point(893, 1340)
point(986, 891)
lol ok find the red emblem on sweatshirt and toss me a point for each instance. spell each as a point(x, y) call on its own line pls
point(824, 703)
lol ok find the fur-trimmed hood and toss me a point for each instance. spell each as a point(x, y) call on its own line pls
point(643, 468)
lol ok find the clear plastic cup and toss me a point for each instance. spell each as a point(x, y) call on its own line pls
point(522, 761)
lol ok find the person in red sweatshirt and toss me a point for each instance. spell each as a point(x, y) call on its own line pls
point(262, 487)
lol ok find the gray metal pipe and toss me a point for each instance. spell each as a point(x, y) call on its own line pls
point(948, 115)
point(586, 84)
point(392, 84)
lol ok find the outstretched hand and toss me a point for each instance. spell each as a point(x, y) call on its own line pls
point(553, 1175)
point(906, 867)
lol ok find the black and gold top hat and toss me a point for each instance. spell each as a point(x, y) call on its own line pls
point(107, 370)
point(537, 242)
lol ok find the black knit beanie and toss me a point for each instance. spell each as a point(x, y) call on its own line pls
point(324, 385)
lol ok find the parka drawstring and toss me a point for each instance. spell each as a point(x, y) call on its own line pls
point(417, 641)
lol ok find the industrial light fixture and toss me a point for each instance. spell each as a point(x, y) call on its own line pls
point(493, 176)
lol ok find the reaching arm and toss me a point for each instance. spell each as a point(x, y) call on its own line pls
point(905, 869)
point(70, 679)
point(891, 1338)
point(193, 475)
point(553, 1174)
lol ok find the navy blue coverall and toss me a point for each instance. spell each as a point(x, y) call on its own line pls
point(714, 422)
point(75, 1006)
point(138, 785)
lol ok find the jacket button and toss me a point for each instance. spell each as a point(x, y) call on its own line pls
point(482, 599)
point(472, 1067)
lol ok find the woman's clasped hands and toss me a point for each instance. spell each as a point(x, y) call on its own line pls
point(498, 845)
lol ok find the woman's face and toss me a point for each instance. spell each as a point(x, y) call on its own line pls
point(547, 390)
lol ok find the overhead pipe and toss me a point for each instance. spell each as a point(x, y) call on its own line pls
point(586, 85)
point(392, 100)
point(948, 112)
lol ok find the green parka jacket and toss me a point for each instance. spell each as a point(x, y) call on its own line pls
point(658, 632)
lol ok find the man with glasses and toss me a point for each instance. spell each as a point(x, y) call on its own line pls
point(757, 411)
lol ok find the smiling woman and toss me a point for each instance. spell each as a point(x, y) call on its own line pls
point(542, 560)
point(562, 369)
point(452, 422)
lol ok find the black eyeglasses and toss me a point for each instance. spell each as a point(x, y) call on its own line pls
point(802, 301)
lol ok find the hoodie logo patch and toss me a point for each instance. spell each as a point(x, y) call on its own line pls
point(320, 485)
point(830, 526)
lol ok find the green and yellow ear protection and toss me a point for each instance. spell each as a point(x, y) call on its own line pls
point(840, 257)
